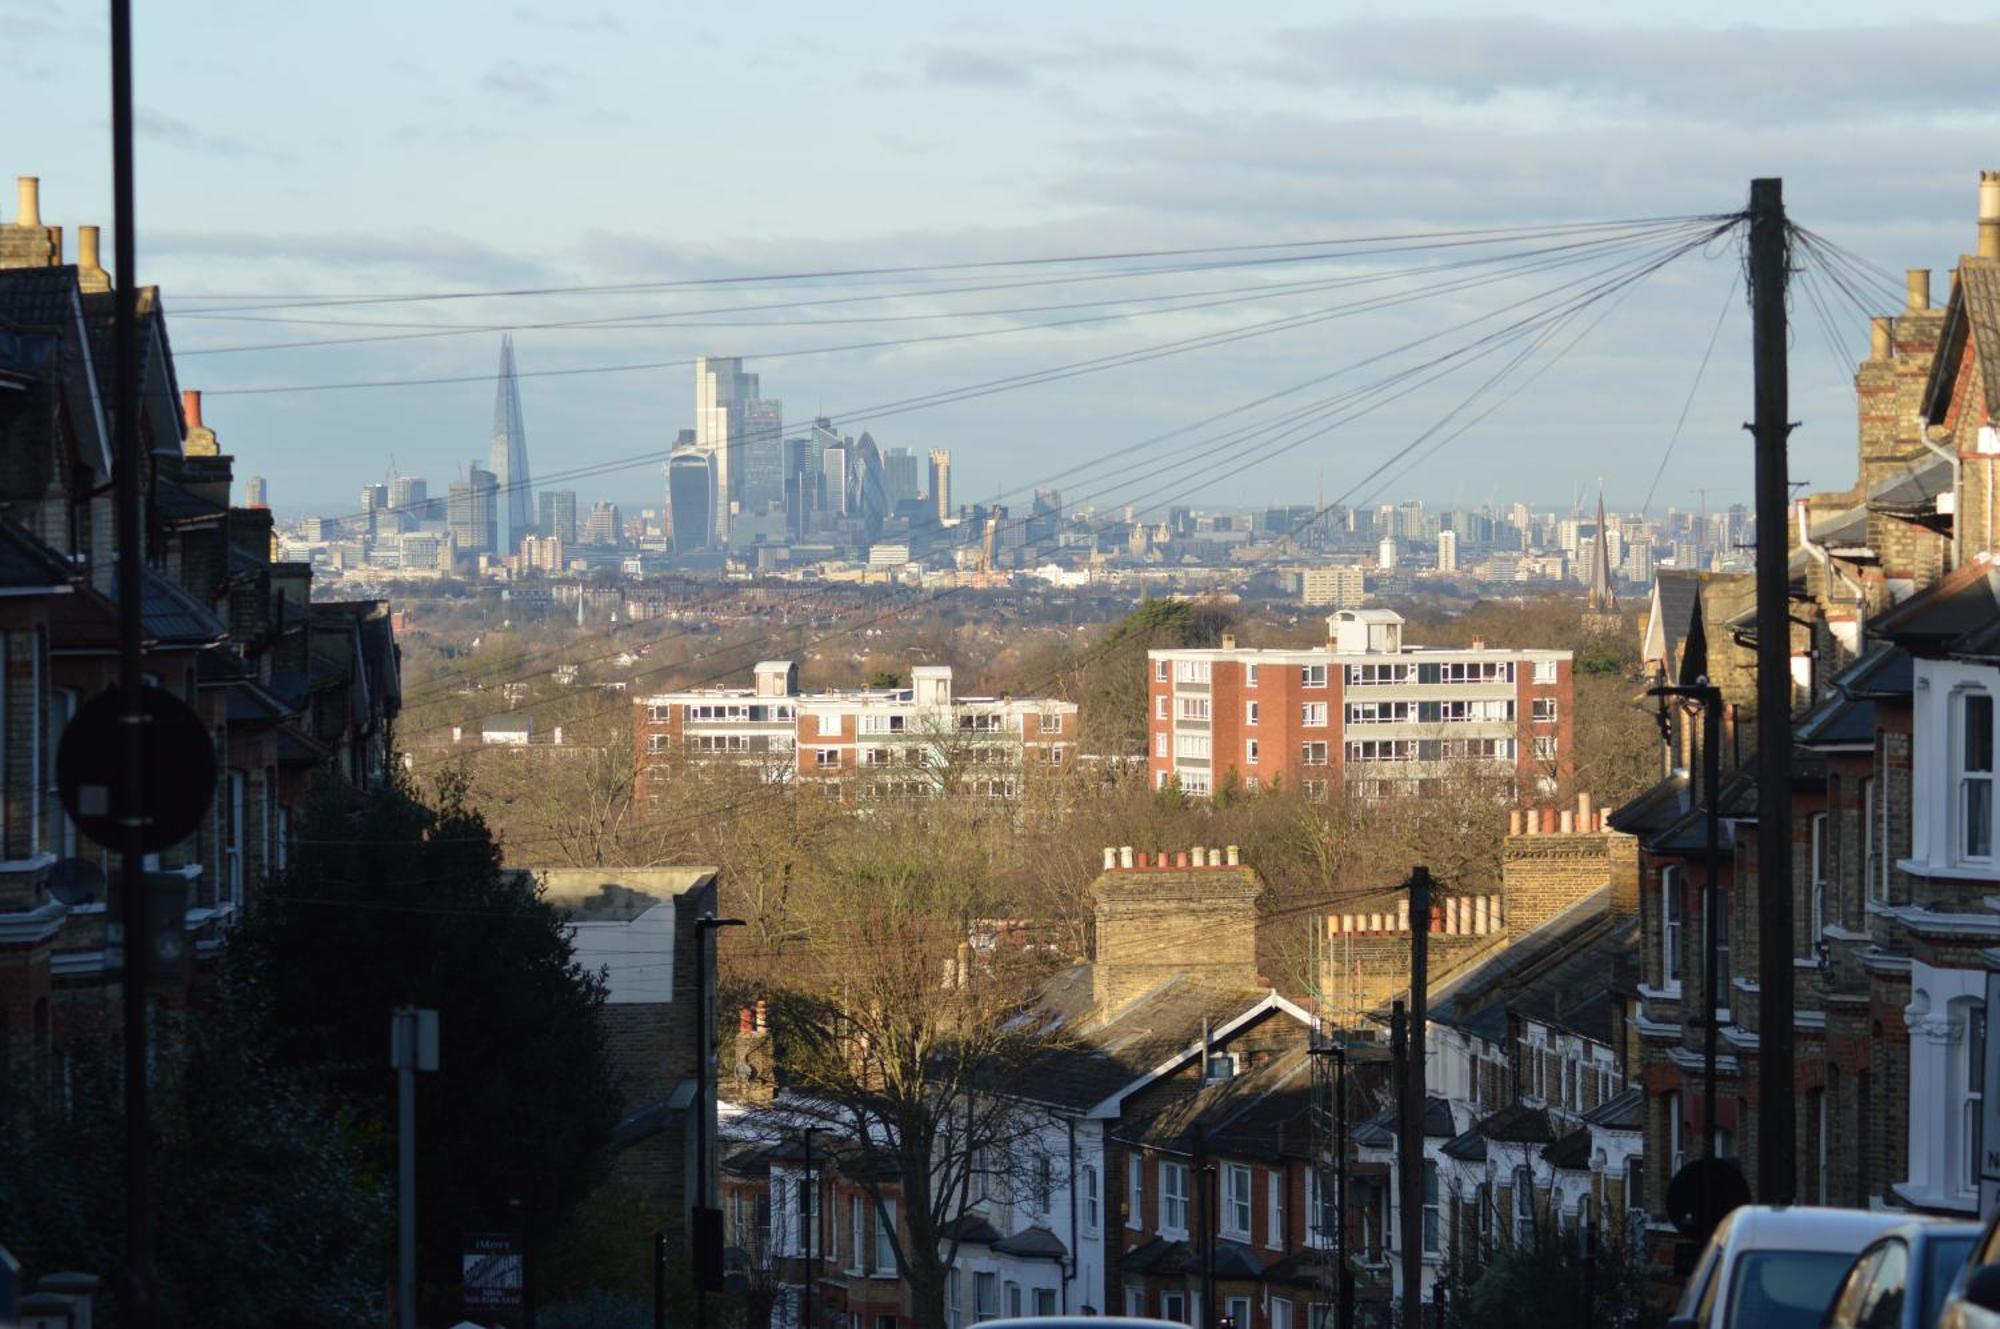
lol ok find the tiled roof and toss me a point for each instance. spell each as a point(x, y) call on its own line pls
point(182, 506)
point(1964, 606)
point(969, 1230)
point(1566, 973)
point(1379, 1131)
point(1572, 1151)
point(1974, 312)
point(172, 617)
point(1035, 1243)
point(1836, 720)
point(1654, 810)
point(1160, 1256)
point(1886, 671)
point(1915, 488)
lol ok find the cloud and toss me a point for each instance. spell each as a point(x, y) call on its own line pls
point(1741, 74)
point(155, 124)
point(995, 66)
point(533, 84)
point(340, 259)
point(975, 68)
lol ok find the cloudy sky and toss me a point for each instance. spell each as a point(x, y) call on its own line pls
point(306, 151)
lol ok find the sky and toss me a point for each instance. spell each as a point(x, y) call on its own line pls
point(298, 152)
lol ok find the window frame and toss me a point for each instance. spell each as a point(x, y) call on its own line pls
point(1135, 1191)
point(1673, 936)
point(1312, 715)
point(1969, 782)
point(1819, 829)
point(1173, 1198)
point(885, 1264)
point(1092, 1202)
point(1239, 1211)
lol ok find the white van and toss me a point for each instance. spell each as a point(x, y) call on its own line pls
point(1776, 1267)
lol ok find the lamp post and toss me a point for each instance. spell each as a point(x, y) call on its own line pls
point(705, 1228)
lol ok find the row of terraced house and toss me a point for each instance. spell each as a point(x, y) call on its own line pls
point(1895, 883)
point(291, 690)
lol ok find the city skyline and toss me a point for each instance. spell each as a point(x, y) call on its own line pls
point(1041, 165)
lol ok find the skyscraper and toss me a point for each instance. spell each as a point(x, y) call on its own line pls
point(899, 475)
point(743, 436)
point(374, 501)
point(254, 493)
point(940, 492)
point(474, 517)
point(691, 499)
point(509, 457)
point(409, 493)
point(558, 514)
point(1447, 550)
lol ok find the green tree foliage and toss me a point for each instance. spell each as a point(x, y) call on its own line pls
point(391, 903)
point(270, 1204)
point(1555, 1280)
point(1111, 674)
point(885, 678)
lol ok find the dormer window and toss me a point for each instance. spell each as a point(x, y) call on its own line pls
point(1219, 1066)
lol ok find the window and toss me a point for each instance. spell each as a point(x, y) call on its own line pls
point(233, 851)
point(1975, 776)
point(1376, 675)
point(1135, 1191)
point(62, 709)
point(1135, 1302)
point(856, 1244)
point(1382, 749)
point(1013, 1301)
point(1249, 712)
point(1524, 1206)
point(1545, 710)
point(658, 714)
point(1090, 1198)
point(1377, 712)
point(1545, 672)
point(1722, 948)
point(1045, 1301)
point(1316, 790)
point(1274, 1210)
point(1191, 671)
point(1546, 748)
point(885, 1239)
point(657, 743)
point(1816, 915)
point(1160, 706)
point(1236, 1201)
point(1052, 722)
point(1322, 1202)
point(1250, 752)
point(1676, 1133)
point(1972, 1105)
point(1281, 1313)
point(1195, 783)
point(1250, 676)
point(1312, 676)
point(1160, 671)
point(1670, 928)
point(1191, 745)
point(1160, 744)
point(1173, 1306)
point(1173, 1198)
point(951, 1300)
point(1194, 708)
point(1312, 754)
point(1431, 1209)
point(1313, 714)
point(829, 724)
point(1238, 1312)
point(985, 1296)
point(827, 758)
point(807, 1210)
point(1874, 878)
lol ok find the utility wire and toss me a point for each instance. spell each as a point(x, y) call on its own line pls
point(1687, 404)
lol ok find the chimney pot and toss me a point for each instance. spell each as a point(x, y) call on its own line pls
point(1200, 856)
point(1514, 822)
point(1110, 858)
point(1180, 858)
point(1880, 338)
point(763, 1015)
point(746, 1021)
point(1142, 859)
point(191, 407)
point(1228, 641)
point(1989, 214)
point(1125, 856)
point(1919, 282)
point(1568, 823)
point(28, 190)
point(1235, 859)
point(1402, 915)
point(1583, 812)
point(88, 255)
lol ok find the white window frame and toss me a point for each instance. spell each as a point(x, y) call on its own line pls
point(1190, 671)
point(1313, 753)
point(1173, 1199)
point(236, 785)
point(1274, 1209)
point(1676, 1132)
point(1160, 744)
point(1191, 747)
point(1192, 708)
point(1238, 1211)
point(1974, 1041)
point(1160, 706)
point(1281, 1313)
point(1091, 1214)
point(1249, 752)
point(1312, 715)
point(1135, 1187)
point(1972, 787)
point(1052, 722)
point(826, 759)
point(1159, 671)
point(1545, 710)
point(1818, 830)
point(1545, 671)
point(827, 724)
point(1673, 953)
point(1312, 676)
point(1250, 676)
point(1250, 709)
point(1174, 1306)
point(985, 1296)
point(855, 1248)
point(1433, 1209)
point(1230, 1308)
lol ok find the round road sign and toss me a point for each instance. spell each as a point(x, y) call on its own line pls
point(1694, 1214)
point(178, 778)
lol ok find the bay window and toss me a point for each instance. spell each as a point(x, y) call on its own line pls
point(1973, 803)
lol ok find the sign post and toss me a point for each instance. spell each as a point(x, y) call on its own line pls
point(492, 1273)
point(413, 1047)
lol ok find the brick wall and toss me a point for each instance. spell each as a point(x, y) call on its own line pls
point(1154, 923)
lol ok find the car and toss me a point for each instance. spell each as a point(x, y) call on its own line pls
point(1899, 1281)
point(1974, 1299)
point(1776, 1266)
point(1080, 1322)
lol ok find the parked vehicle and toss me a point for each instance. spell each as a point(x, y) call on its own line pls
point(1900, 1281)
point(1776, 1266)
point(1974, 1299)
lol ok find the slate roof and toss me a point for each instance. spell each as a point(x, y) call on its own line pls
point(1688, 834)
point(1959, 613)
point(1566, 973)
point(172, 617)
point(1034, 1243)
point(1886, 671)
point(27, 564)
point(1571, 1151)
point(1914, 489)
point(1679, 595)
point(1379, 1131)
point(1108, 1055)
point(1160, 1256)
point(969, 1229)
point(1623, 1111)
point(183, 507)
point(1836, 720)
point(1516, 1123)
point(1654, 810)
point(1974, 312)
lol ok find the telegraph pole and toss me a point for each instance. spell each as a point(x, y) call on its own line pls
point(136, 1290)
point(1777, 1144)
point(1344, 1277)
point(1410, 1138)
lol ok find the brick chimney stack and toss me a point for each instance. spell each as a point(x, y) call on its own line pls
point(25, 242)
point(90, 273)
point(1989, 214)
point(1918, 283)
point(200, 441)
point(1193, 916)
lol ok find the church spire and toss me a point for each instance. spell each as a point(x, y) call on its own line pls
point(1603, 599)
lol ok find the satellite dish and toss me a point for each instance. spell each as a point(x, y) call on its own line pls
point(76, 881)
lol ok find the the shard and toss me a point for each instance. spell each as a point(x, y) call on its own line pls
point(509, 458)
